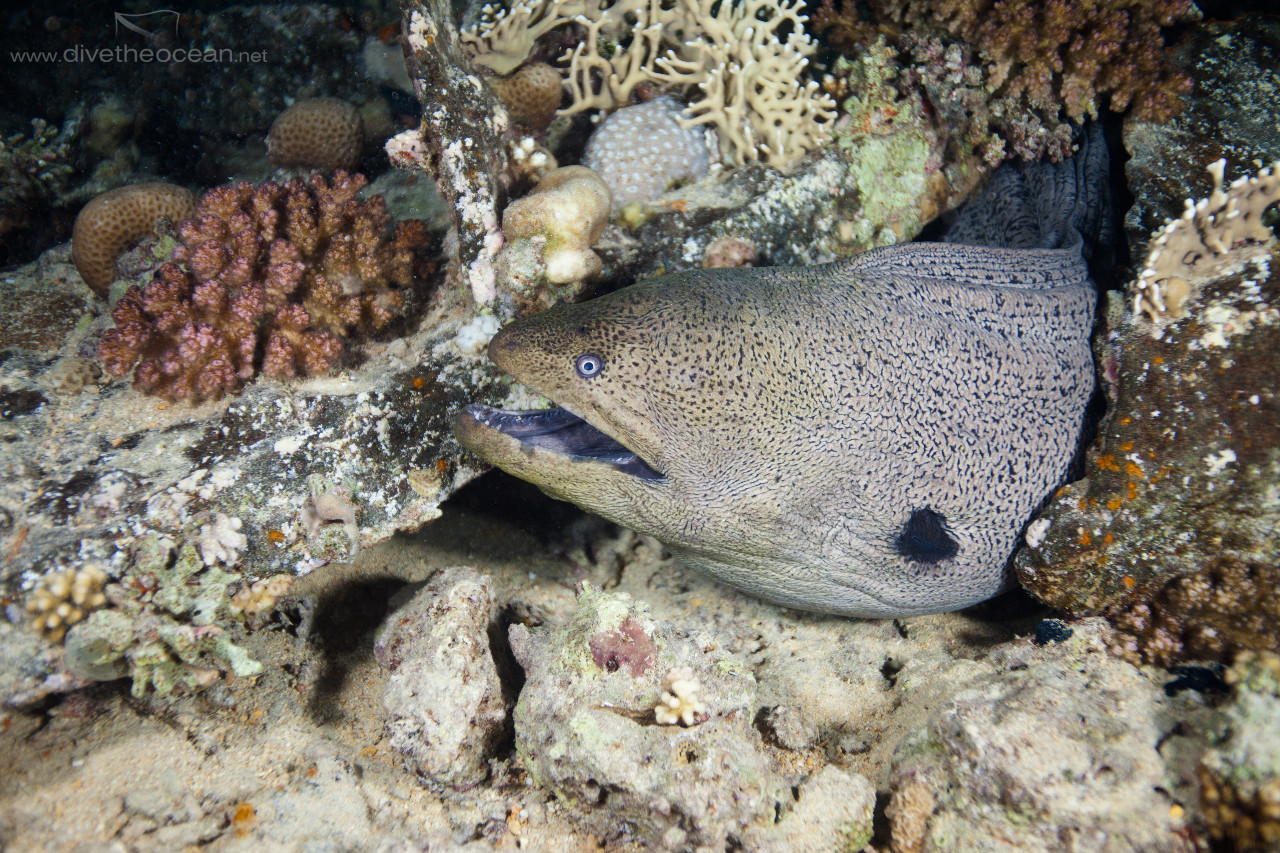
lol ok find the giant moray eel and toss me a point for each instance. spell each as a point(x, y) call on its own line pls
point(867, 437)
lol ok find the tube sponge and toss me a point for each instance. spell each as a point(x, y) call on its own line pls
point(110, 222)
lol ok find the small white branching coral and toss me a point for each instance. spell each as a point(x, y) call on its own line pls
point(220, 541)
point(680, 704)
point(1204, 241)
point(747, 57)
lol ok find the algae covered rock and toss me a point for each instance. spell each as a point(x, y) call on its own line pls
point(444, 704)
point(1062, 744)
point(586, 728)
point(1171, 532)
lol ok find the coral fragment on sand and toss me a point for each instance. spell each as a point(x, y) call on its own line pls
point(260, 597)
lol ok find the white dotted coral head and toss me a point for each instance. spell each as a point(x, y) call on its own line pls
point(642, 150)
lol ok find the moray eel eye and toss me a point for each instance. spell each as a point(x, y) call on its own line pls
point(589, 365)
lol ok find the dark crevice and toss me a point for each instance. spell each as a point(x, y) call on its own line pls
point(343, 624)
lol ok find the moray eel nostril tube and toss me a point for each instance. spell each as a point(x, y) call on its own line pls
point(867, 437)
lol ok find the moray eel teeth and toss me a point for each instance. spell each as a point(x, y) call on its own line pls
point(557, 430)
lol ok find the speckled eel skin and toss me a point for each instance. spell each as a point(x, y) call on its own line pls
point(867, 438)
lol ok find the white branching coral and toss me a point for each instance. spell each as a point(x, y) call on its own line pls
point(1204, 241)
point(747, 57)
point(220, 541)
point(680, 704)
point(750, 79)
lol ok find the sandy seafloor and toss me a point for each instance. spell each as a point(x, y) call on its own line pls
point(297, 759)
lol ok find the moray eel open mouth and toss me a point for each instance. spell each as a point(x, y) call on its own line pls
point(560, 431)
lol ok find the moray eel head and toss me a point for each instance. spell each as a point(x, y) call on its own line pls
point(597, 447)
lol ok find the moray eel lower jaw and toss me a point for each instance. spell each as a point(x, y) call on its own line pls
point(547, 434)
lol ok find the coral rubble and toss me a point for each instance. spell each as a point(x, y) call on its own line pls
point(581, 728)
point(276, 275)
point(159, 627)
point(1037, 753)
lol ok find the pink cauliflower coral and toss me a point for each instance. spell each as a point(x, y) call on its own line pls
point(275, 276)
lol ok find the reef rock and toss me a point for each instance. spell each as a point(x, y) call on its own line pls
point(242, 479)
point(1059, 750)
point(586, 727)
point(1229, 114)
point(444, 704)
point(1240, 773)
point(1171, 532)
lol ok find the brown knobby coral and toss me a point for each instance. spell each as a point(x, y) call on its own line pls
point(272, 277)
point(1061, 58)
point(113, 220)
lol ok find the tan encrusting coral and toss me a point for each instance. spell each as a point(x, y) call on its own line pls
point(1213, 233)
